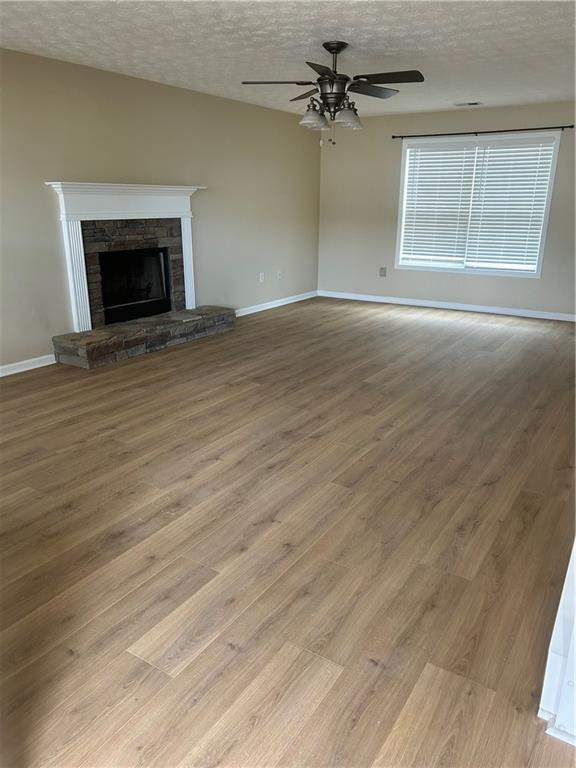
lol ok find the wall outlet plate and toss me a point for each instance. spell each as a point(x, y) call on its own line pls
point(260, 277)
point(382, 271)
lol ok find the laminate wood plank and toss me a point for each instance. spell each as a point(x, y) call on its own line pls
point(57, 675)
point(555, 477)
point(14, 502)
point(311, 463)
point(510, 736)
point(443, 715)
point(176, 641)
point(351, 725)
point(385, 579)
point(141, 416)
point(48, 412)
point(269, 714)
point(33, 512)
point(463, 545)
point(386, 461)
point(181, 713)
point(69, 466)
point(307, 599)
point(308, 606)
point(99, 708)
point(56, 523)
point(51, 578)
point(54, 620)
point(459, 454)
point(371, 537)
point(196, 430)
point(287, 503)
point(500, 630)
point(260, 439)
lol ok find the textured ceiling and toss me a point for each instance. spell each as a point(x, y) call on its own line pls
point(492, 51)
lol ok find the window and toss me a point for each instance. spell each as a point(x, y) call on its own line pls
point(476, 204)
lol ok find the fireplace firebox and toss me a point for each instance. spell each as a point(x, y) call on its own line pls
point(135, 283)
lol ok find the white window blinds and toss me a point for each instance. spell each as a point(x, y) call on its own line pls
point(476, 203)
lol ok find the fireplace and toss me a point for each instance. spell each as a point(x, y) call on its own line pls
point(102, 221)
point(135, 283)
point(134, 268)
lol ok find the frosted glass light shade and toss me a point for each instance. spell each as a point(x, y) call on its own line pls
point(355, 123)
point(343, 116)
point(314, 121)
point(348, 118)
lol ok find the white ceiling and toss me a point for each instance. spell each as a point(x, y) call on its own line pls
point(497, 52)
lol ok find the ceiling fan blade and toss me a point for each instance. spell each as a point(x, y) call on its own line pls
point(321, 69)
point(277, 82)
point(406, 76)
point(305, 95)
point(366, 89)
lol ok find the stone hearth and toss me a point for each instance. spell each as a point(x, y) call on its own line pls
point(119, 341)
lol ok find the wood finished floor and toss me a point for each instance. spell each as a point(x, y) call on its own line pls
point(334, 537)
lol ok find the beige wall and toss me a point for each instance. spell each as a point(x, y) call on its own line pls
point(66, 122)
point(360, 181)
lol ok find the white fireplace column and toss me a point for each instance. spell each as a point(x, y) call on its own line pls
point(92, 202)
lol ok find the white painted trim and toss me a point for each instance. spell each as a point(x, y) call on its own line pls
point(551, 730)
point(188, 260)
point(26, 365)
point(91, 202)
point(99, 188)
point(468, 271)
point(450, 305)
point(276, 303)
point(557, 702)
point(122, 213)
point(544, 714)
point(77, 279)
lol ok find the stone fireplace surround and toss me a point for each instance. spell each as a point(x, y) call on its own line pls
point(97, 217)
point(125, 235)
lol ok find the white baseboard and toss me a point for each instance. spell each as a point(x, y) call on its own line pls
point(275, 303)
point(552, 730)
point(544, 714)
point(450, 305)
point(26, 365)
point(569, 738)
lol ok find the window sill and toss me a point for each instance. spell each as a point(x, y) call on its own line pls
point(484, 272)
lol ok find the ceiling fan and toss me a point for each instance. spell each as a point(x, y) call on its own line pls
point(331, 92)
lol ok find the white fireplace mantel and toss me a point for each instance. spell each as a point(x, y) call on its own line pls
point(94, 201)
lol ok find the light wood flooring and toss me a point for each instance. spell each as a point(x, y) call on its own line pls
point(334, 537)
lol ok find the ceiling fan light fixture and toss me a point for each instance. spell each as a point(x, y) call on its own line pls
point(314, 120)
point(348, 118)
point(330, 95)
point(355, 123)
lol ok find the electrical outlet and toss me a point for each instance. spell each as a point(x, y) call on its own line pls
point(279, 274)
point(382, 271)
point(260, 277)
